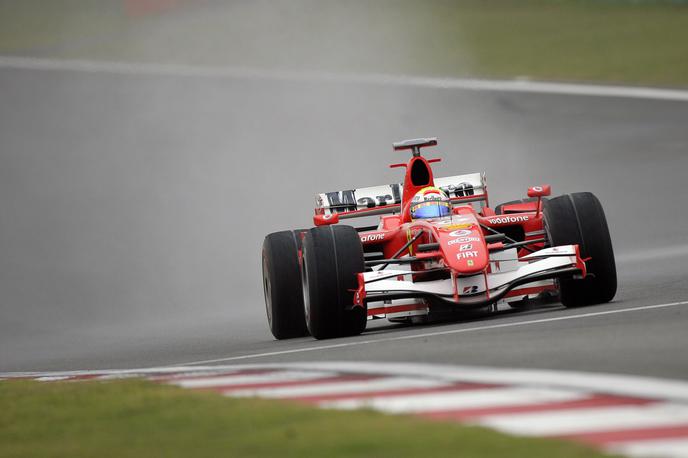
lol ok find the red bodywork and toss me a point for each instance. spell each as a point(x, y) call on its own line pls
point(461, 248)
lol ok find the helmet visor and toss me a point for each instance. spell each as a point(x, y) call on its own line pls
point(436, 209)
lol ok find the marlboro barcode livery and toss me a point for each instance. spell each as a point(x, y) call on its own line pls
point(438, 250)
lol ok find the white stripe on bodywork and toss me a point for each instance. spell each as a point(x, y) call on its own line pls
point(516, 86)
point(270, 377)
point(392, 383)
point(559, 257)
point(471, 399)
point(588, 420)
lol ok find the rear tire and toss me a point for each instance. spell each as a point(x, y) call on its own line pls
point(282, 284)
point(332, 258)
point(578, 218)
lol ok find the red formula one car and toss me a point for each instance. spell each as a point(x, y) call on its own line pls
point(438, 249)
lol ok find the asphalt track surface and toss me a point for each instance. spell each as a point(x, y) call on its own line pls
point(133, 207)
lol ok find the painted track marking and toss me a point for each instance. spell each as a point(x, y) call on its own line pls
point(663, 448)
point(337, 387)
point(467, 399)
point(243, 380)
point(434, 334)
point(588, 420)
point(519, 85)
point(651, 421)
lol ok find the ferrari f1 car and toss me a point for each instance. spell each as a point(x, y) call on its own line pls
point(438, 249)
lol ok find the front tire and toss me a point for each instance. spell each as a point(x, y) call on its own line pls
point(578, 218)
point(282, 284)
point(332, 258)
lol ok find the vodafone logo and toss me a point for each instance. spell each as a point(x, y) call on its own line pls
point(508, 219)
point(461, 233)
point(373, 237)
point(537, 188)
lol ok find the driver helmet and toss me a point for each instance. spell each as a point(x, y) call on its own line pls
point(430, 202)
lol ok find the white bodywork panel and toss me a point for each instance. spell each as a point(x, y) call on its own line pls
point(470, 185)
point(510, 269)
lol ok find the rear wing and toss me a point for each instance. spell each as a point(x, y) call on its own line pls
point(376, 200)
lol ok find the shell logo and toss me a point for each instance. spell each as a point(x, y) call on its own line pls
point(461, 233)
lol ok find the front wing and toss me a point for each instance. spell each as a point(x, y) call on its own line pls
point(475, 291)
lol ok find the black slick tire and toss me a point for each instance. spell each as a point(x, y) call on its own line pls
point(578, 218)
point(332, 258)
point(282, 284)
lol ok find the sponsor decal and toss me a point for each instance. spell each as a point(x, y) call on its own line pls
point(355, 199)
point(467, 254)
point(459, 190)
point(348, 200)
point(508, 219)
point(469, 262)
point(378, 237)
point(342, 200)
point(463, 240)
point(537, 188)
point(558, 249)
point(457, 226)
point(461, 233)
point(466, 247)
point(470, 289)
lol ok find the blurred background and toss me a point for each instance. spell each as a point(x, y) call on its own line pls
point(629, 41)
point(140, 174)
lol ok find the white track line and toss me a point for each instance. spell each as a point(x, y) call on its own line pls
point(52, 378)
point(653, 448)
point(471, 399)
point(271, 377)
point(596, 419)
point(621, 385)
point(518, 387)
point(385, 384)
point(354, 343)
point(151, 69)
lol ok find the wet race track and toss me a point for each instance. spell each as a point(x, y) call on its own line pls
point(133, 206)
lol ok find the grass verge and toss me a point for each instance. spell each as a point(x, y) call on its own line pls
point(613, 41)
point(641, 42)
point(135, 418)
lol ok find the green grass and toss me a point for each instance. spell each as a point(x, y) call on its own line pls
point(638, 43)
point(141, 419)
point(613, 41)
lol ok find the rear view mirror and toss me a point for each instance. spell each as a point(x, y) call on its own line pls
point(540, 191)
point(324, 220)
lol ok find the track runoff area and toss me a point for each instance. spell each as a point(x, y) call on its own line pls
point(630, 415)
